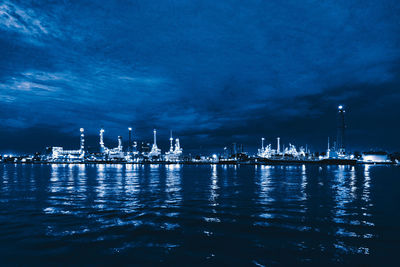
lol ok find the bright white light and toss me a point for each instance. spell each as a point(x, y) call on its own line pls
point(82, 130)
point(214, 156)
point(130, 129)
point(340, 107)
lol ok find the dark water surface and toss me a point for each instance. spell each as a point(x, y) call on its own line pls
point(189, 215)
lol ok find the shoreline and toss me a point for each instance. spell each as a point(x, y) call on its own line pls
point(321, 163)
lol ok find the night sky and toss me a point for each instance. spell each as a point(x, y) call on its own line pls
point(214, 72)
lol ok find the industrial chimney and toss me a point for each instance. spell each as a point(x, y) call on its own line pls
point(120, 143)
point(155, 137)
point(278, 145)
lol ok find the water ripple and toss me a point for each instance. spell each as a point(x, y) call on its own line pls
point(206, 214)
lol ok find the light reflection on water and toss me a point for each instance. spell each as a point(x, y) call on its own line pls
point(173, 185)
point(326, 212)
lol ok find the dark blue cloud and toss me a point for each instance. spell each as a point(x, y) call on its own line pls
point(215, 72)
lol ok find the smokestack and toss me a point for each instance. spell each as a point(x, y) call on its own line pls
point(120, 143)
point(262, 143)
point(155, 137)
point(82, 139)
point(328, 144)
point(278, 146)
point(177, 144)
point(130, 139)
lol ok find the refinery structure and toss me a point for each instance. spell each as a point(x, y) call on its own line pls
point(268, 153)
point(117, 154)
point(334, 154)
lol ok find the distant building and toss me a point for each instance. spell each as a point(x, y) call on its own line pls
point(290, 151)
point(59, 154)
point(375, 157)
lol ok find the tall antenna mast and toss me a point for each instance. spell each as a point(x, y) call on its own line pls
point(130, 139)
point(341, 130)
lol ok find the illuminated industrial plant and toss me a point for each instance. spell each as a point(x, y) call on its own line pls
point(155, 151)
point(117, 154)
point(280, 153)
point(174, 154)
point(267, 152)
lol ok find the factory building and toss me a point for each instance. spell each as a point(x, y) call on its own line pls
point(291, 151)
point(174, 154)
point(375, 157)
point(59, 154)
point(106, 153)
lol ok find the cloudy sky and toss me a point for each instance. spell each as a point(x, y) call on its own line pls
point(215, 72)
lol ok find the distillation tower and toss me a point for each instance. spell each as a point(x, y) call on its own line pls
point(290, 151)
point(155, 151)
point(174, 154)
